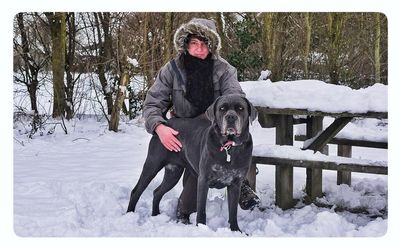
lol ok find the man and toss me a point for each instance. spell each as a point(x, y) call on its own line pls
point(189, 84)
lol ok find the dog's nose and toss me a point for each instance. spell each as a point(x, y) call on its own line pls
point(230, 118)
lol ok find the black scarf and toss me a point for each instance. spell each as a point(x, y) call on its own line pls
point(199, 84)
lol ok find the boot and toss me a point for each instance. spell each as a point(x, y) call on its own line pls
point(248, 198)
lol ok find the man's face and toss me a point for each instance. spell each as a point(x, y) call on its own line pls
point(198, 48)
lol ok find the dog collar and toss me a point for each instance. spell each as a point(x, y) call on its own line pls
point(227, 146)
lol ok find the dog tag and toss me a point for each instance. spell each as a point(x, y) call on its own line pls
point(228, 156)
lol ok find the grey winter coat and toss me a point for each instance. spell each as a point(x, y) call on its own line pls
point(168, 90)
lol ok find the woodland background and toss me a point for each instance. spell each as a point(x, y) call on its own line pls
point(121, 49)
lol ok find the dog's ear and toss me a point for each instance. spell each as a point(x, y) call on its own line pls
point(210, 112)
point(252, 110)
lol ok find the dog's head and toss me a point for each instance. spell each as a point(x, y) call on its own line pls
point(231, 114)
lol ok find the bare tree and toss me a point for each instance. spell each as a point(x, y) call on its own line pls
point(104, 46)
point(31, 68)
point(279, 46)
point(268, 39)
point(219, 17)
point(70, 67)
point(169, 34)
point(58, 36)
point(119, 100)
point(307, 46)
point(30, 58)
point(377, 47)
point(146, 50)
point(336, 22)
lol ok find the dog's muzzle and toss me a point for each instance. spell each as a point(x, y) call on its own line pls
point(231, 125)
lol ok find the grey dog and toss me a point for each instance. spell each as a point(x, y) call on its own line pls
point(217, 150)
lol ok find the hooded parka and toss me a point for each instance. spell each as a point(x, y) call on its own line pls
point(169, 88)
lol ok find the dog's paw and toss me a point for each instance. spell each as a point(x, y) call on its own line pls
point(184, 219)
point(155, 213)
point(235, 228)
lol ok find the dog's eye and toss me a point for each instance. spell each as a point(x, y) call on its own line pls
point(222, 108)
point(240, 108)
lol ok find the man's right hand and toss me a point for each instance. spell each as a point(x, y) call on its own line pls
point(167, 137)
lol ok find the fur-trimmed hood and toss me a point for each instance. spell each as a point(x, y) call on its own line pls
point(201, 27)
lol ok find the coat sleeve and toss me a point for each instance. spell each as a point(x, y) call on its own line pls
point(158, 99)
point(229, 82)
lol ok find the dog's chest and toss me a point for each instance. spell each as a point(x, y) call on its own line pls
point(222, 176)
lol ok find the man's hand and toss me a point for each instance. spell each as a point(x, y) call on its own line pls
point(167, 138)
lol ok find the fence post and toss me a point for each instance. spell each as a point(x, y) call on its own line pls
point(344, 177)
point(284, 173)
point(314, 176)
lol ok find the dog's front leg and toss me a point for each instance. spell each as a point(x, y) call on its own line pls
point(202, 191)
point(233, 200)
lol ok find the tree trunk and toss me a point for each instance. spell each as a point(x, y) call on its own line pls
point(278, 46)
point(119, 102)
point(146, 51)
point(58, 37)
point(268, 43)
point(219, 17)
point(168, 17)
point(377, 48)
point(30, 71)
point(69, 65)
point(335, 30)
point(307, 20)
point(102, 21)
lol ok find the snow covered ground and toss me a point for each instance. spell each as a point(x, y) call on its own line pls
point(79, 184)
